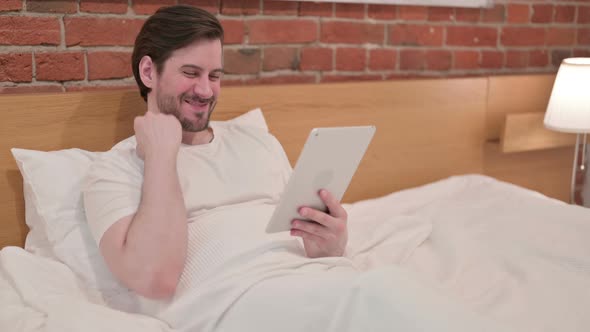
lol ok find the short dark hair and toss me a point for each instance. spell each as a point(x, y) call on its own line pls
point(169, 29)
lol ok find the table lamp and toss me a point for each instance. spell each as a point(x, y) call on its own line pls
point(569, 111)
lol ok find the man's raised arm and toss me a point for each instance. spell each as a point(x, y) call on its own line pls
point(147, 250)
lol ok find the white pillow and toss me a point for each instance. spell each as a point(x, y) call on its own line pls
point(253, 118)
point(52, 183)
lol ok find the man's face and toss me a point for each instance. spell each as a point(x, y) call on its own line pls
point(190, 83)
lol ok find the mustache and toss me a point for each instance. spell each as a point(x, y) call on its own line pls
point(198, 99)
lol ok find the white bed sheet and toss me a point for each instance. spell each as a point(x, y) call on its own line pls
point(462, 254)
point(510, 253)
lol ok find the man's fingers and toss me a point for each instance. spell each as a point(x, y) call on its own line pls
point(317, 216)
point(318, 240)
point(334, 206)
point(310, 227)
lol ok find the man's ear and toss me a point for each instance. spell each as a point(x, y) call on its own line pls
point(147, 71)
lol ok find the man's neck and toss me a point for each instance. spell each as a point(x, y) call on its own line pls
point(197, 138)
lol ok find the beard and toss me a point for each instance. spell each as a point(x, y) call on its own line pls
point(168, 104)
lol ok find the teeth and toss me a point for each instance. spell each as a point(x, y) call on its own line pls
point(195, 103)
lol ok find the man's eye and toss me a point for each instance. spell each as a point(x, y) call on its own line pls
point(190, 74)
point(214, 77)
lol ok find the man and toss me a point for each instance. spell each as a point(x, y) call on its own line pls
point(148, 199)
point(179, 212)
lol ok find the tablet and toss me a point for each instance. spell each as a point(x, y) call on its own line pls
point(328, 160)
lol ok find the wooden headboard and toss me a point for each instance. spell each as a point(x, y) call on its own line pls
point(426, 130)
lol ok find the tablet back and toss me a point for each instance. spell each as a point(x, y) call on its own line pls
point(328, 160)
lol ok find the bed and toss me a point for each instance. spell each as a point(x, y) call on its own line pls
point(467, 236)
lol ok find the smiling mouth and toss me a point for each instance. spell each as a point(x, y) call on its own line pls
point(196, 103)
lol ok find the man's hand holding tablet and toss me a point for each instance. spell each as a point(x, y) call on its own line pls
point(310, 204)
point(327, 233)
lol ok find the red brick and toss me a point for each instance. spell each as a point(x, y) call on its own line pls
point(11, 5)
point(542, 14)
point(413, 13)
point(276, 58)
point(496, 14)
point(465, 75)
point(351, 59)
point(329, 78)
point(16, 67)
point(584, 37)
point(561, 36)
point(282, 79)
point(467, 14)
point(350, 10)
point(415, 35)
point(583, 14)
point(59, 66)
point(516, 59)
point(77, 87)
point(233, 31)
point(382, 59)
point(565, 14)
point(104, 6)
point(441, 14)
point(52, 6)
point(581, 53)
point(240, 7)
point(438, 59)
point(472, 36)
point(538, 58)
point(492, 59)
point(558, 55)
point(316, 58)
point(22, 89)
point(87, 31)
point(273, 7)
point(321, 9)
point(109, 65)
point(211, 6)
point(518, 13)
point(412, 60)
point(352, 32)
point(466, 60)
point(284, 31)
point(18, 30)
point(408, 76)
point(382, 12)
point(523, 36)
point(148, 7)
point(242, 61)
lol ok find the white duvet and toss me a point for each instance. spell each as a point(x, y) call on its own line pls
point(467, 253)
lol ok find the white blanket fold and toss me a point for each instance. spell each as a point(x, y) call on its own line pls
point(51, 300)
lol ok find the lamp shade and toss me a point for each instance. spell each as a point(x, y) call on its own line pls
point(569, 106)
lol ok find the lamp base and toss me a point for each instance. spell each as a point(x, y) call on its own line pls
point(580, 186)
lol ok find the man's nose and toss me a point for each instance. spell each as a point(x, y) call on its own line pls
point(202, 88)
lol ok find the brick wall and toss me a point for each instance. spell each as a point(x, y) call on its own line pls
point(64, 45)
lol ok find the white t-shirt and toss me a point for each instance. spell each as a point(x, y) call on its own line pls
point(230, 188)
